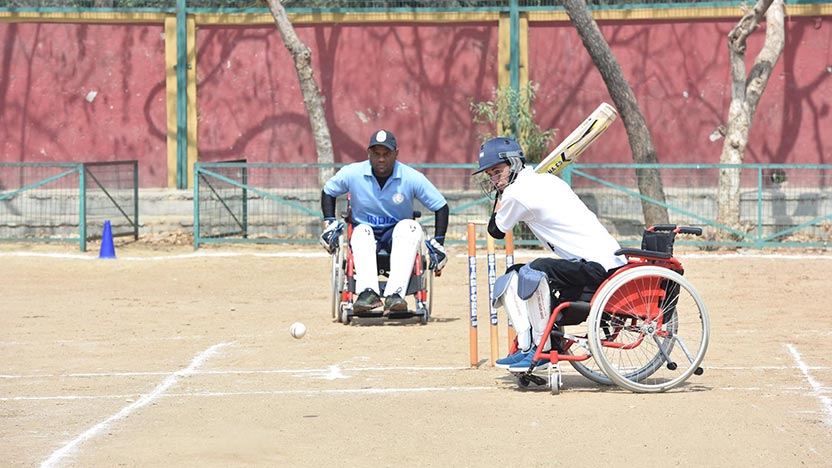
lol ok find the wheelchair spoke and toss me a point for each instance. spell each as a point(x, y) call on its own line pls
point(635, 321)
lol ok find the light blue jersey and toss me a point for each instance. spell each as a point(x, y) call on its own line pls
point(383, 208)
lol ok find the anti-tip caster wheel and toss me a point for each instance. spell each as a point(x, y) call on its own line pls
point(555, 379)
point(345, 316)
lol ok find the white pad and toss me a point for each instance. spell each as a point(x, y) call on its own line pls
point(501, 288)
point(517, 311)
point(407, 235)
point(538, 310)
point(363, 245)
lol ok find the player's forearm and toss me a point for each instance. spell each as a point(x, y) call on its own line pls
point(327, 205)
point(493, 230)
point(442, 215)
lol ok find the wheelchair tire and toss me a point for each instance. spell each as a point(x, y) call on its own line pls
point(643, 322)
point(338, 274)
point(427, 307)
point(431, 274)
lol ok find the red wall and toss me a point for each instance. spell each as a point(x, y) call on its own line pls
point(413, 80)
point(679, 72)
point(47, 71)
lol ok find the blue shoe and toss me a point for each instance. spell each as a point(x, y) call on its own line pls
point(524, 364)
point(507, 361)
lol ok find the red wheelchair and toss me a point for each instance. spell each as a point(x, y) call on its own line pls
point(646, 328)
point(420, 286)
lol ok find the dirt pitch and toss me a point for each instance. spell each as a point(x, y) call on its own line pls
point(169, 358)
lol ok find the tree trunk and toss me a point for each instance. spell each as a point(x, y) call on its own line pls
point(641, 142)
point(745, 95)
point(309, 87)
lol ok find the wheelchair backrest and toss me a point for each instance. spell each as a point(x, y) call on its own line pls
point(658, 241)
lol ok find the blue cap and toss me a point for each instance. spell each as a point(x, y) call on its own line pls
point(498, 150)
point(384, 138)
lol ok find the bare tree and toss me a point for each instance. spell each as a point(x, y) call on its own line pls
point(745, 95)
point(641, 142)
point(309, 87)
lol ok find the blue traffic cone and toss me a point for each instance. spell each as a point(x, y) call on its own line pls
point(107, 249)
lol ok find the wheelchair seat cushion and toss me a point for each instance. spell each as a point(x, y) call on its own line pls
point(575, 314)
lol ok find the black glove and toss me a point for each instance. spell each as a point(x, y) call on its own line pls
point(437, 253)
point(329, 238)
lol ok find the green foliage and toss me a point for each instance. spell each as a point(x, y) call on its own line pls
point(511, 113)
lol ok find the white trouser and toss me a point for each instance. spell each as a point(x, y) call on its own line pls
point(529, 317)
point(407, 234)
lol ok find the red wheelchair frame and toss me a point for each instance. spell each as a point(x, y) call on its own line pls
point(635, 320)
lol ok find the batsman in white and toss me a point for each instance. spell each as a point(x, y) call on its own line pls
point(382, 192)
point(563, 223)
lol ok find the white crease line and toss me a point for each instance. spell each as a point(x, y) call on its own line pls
point(327, 370)
point(144, 400)
point(816, 386)
point(129, 340)
point(335, 369)
point(358, 391)
point(74, 397)
point(337, 391)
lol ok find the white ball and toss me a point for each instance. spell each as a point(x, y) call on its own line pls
point(297, 330)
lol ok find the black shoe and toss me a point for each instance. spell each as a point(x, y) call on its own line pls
point(395, 303)
point(367, 300)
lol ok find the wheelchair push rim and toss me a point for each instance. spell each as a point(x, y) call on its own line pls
point(648, 329)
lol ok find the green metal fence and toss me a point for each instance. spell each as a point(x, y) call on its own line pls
point(781, 205)
point(68, 202)
point(344, 5)
point(273, 203)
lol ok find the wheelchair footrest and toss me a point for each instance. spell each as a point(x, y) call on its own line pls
point(526, 378)
point(369, 313)
point(403, 314)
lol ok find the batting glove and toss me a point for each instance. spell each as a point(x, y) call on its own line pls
point(438, 255)
point(329, 238)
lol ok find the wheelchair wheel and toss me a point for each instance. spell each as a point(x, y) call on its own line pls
point(555, 378)
point(424, 315)
point(428, 306)
point(345, 314)
point(338, 274)
point(430, 289)
point(648, 329)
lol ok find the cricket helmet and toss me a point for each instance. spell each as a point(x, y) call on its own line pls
point(500, 150)
point(497, 151)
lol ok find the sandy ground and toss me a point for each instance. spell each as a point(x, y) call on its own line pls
point(168, 358)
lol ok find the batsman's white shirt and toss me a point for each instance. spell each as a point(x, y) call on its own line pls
point(558, 218)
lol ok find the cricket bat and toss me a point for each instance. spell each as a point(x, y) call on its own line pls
point(572, 146)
